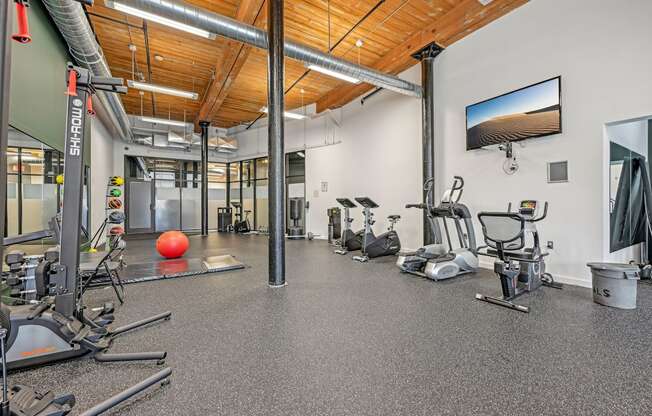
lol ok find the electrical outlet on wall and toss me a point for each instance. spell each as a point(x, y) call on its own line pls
point(550, 245)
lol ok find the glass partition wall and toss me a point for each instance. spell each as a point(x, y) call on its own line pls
point(176, 190)
point(33, 196)
point(174, 186)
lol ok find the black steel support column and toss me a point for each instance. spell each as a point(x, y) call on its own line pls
point(5, 73)
point(427, 57)
point(255, 182)
point(275, 129)
point(228, 185)
point(204, 177)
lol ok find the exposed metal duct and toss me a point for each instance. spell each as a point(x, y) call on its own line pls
point(236, 30)
point(71, 21)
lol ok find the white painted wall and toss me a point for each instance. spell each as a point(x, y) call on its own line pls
point(594, 45)
point(371, 150)
point(102, 141)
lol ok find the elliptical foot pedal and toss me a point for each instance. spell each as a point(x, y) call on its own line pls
point(340, 251)
point(503, 303)
point(548, 281)
point(553, 285)
point(361, 259)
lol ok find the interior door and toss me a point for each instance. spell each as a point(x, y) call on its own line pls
point(140, 206)
point(167, 206)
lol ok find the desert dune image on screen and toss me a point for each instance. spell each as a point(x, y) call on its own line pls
point(531, 112)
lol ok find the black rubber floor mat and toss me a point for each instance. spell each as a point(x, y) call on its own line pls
point(172, 269)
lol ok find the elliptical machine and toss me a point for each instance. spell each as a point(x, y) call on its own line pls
point(521, 269)
point(435, 261)
point(386, 244)
point(241, 224)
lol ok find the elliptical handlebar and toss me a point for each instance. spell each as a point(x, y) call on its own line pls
point(458, 185)
point(428, 186)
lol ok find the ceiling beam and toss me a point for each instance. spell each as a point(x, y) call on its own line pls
point(465, 18)
point(229, 66)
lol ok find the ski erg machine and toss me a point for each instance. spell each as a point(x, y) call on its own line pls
point(58, 326)
point(81, 85)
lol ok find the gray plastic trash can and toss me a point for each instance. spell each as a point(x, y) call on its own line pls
point(614, 284)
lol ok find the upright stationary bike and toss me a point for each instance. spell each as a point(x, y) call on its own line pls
point(241, 224)
point(386, 244)
point(349, 240)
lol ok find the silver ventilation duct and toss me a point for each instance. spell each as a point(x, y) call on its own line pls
point(71, 21)
point(233, 29)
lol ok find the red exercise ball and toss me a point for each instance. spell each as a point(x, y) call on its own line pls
point(172, 244)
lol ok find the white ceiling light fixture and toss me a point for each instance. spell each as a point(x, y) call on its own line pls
point(287, 114)
point(161, 89)
point(164, 121)
point(334, 74)
point(485, 2)
point(116, 5)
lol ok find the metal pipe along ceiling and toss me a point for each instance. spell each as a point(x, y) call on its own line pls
point(71, 21)
point(233, 29)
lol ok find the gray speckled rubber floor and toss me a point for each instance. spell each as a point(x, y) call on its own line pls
point(345, 338)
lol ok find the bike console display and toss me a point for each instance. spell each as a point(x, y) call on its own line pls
point(366, 202)
point(346, 202)
point(528, 207)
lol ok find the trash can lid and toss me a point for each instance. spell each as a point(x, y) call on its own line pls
point(616, 267)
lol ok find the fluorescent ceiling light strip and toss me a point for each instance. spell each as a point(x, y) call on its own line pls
point(334, 74)
point(159, 19)
point(164, 121)
point(287, 114)
point(161, 89)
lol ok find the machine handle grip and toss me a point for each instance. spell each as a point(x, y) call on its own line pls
point(108, 81)
point(458, 185)
point(38, 311)
point(545, 213)
point(420, 206)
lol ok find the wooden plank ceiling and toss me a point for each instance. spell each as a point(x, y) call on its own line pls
point(231, 78)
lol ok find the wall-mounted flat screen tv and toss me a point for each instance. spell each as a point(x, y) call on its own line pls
point(533, 111)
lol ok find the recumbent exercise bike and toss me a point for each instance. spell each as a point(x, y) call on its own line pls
point(521, 269)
